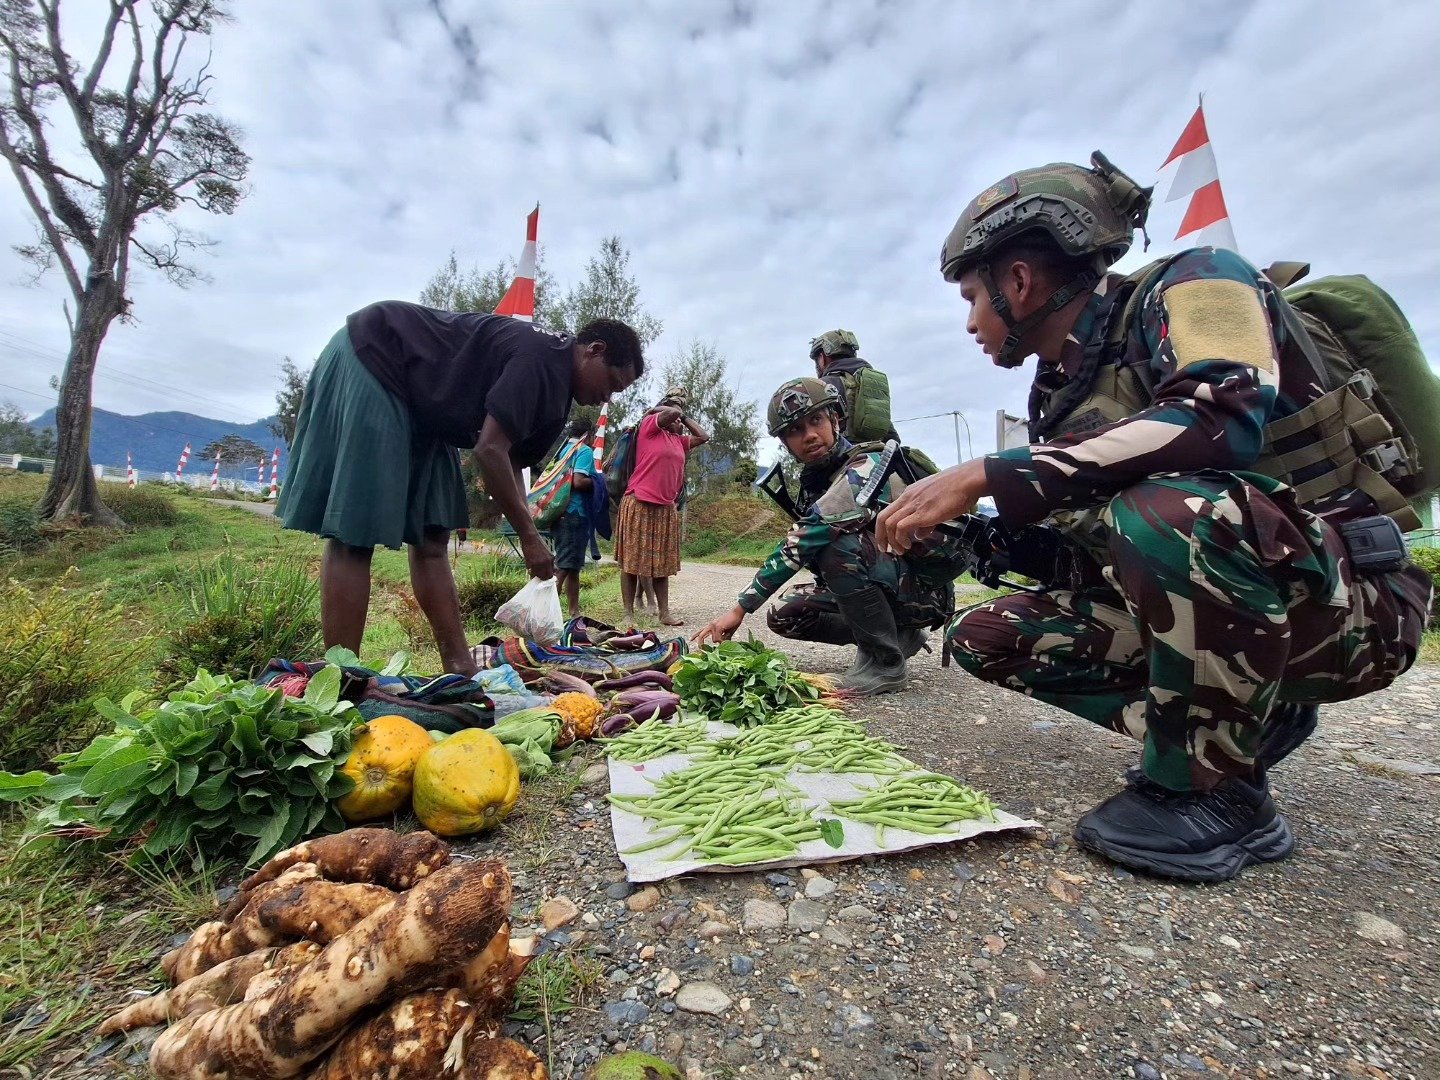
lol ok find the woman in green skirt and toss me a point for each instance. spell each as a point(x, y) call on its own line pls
point(375, 462)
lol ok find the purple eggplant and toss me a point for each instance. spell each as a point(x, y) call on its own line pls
point(640, 714)
point(636, 700)
point(563, 682)
point(654, 679)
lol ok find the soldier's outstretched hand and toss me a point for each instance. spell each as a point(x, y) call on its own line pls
point(928, 502)
point(721, 629)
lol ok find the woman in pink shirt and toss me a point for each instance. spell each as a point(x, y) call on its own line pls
point(647, 536)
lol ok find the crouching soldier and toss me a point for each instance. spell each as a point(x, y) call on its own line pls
point(1166, 409)
point(883, 604)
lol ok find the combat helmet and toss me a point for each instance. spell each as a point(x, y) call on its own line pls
point(835, 343)
point(1088, 212)
point(797, 399)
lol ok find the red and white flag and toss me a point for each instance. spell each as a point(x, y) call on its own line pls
point(129, 469)
point(1193, 175)
point(215, 474)
point(599, 444)
point(275, 473)
point(519, 300)
point(184, 457)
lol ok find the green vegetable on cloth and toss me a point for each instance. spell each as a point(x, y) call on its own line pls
point(530, 736)
point(741, 683)
point(215, 766)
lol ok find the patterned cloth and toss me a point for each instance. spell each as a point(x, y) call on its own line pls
point(1226, 595)
point(647, 539)
point(590, 649)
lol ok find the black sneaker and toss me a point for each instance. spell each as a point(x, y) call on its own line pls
point(1190, 835)
point(1286, 728)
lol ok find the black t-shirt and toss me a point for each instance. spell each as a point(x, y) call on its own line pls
point(453, 369)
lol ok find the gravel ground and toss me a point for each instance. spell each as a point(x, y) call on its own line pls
point(1018, 955)
point(1015, 956)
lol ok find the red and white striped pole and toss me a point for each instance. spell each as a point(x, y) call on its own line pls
point(184, 457)
point(275, 473)
point(129, 470)
point(215, 474)
point(519, 300)
point(601, 421)
point(1195, 176)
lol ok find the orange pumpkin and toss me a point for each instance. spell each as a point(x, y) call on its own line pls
point(382, 764)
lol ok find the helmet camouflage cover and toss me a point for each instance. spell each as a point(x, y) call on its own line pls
point(797, 399)
point(835, 343)
point(1092, 211)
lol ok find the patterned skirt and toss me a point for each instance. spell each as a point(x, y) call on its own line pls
point(647, 539)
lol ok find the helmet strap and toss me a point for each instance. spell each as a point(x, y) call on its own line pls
point(1079, 285)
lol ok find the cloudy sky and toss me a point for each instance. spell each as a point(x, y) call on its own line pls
point(776, 169)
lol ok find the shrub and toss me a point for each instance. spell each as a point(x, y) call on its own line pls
point(238, 613)
point(1428, 559)
point(20, 528)
point(486, 582)
point(140, 508)
point(63, 647)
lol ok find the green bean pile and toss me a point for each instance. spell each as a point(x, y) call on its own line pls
point(724, 812)
point(924, 803)
point(813, 738)
point(654, 739)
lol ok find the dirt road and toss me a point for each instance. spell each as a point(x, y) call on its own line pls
point(1019, 956)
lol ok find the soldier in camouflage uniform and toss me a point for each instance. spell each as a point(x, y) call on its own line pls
point(1222, 610)
point(836, 354)
point(881, 603)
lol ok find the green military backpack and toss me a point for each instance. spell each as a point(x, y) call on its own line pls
point(867, 405)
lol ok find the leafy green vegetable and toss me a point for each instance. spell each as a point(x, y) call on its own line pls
point(218, 765)
point(740, 682)
point(832, 831)
point(530, 736)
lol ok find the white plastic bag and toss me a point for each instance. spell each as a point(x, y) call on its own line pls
point(534, 612)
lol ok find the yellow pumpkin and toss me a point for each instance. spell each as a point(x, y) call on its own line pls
point(466, 784)
point(382, 764)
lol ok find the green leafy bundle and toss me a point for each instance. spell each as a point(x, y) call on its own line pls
point(216, 765)
point(741, 683)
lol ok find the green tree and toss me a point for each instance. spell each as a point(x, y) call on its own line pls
point(104, 152)
point(18, 437)
point(609, 291)
point(235, 450)
point(733, 424)
point(287, 401)
point(453, 289)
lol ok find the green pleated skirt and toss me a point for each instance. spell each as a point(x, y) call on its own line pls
point(359, 473)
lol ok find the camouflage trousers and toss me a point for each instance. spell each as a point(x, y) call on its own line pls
point(921, 592)
point(1224, 598)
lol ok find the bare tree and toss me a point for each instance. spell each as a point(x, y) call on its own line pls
point(95, 152)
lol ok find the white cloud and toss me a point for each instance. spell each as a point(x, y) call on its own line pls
point(776, 170)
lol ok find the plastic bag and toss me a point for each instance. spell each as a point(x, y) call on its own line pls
point(534, 612)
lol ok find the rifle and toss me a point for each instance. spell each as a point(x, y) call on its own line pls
point(1035, 551)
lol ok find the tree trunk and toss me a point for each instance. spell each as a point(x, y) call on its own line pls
point(73, 492)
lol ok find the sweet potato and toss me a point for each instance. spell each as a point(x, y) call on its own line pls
point(410, 943)
point(374, 856)
point(215, 942)
point(499, 1059)
point(319, 910)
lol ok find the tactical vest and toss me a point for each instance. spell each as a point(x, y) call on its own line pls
point(867, 405)
point(1376, 429)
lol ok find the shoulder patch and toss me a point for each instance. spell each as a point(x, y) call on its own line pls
point(1218, 319)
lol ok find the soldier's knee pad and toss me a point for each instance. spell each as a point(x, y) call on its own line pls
point(800, 621)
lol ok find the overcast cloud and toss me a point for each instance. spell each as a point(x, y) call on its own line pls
point(776, 169)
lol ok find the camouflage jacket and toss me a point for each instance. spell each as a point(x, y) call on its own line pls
point(1211, 334)
point(832, 514)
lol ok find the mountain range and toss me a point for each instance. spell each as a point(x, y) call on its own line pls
point(155, 439)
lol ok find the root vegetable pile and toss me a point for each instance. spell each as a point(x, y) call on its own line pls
point(360, 954)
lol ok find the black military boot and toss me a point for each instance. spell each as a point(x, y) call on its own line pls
point(879, 666)
point(1286, 728)
point(1190, 835)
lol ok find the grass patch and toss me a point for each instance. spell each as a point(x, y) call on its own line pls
point(733, 528)
point(75, 934)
